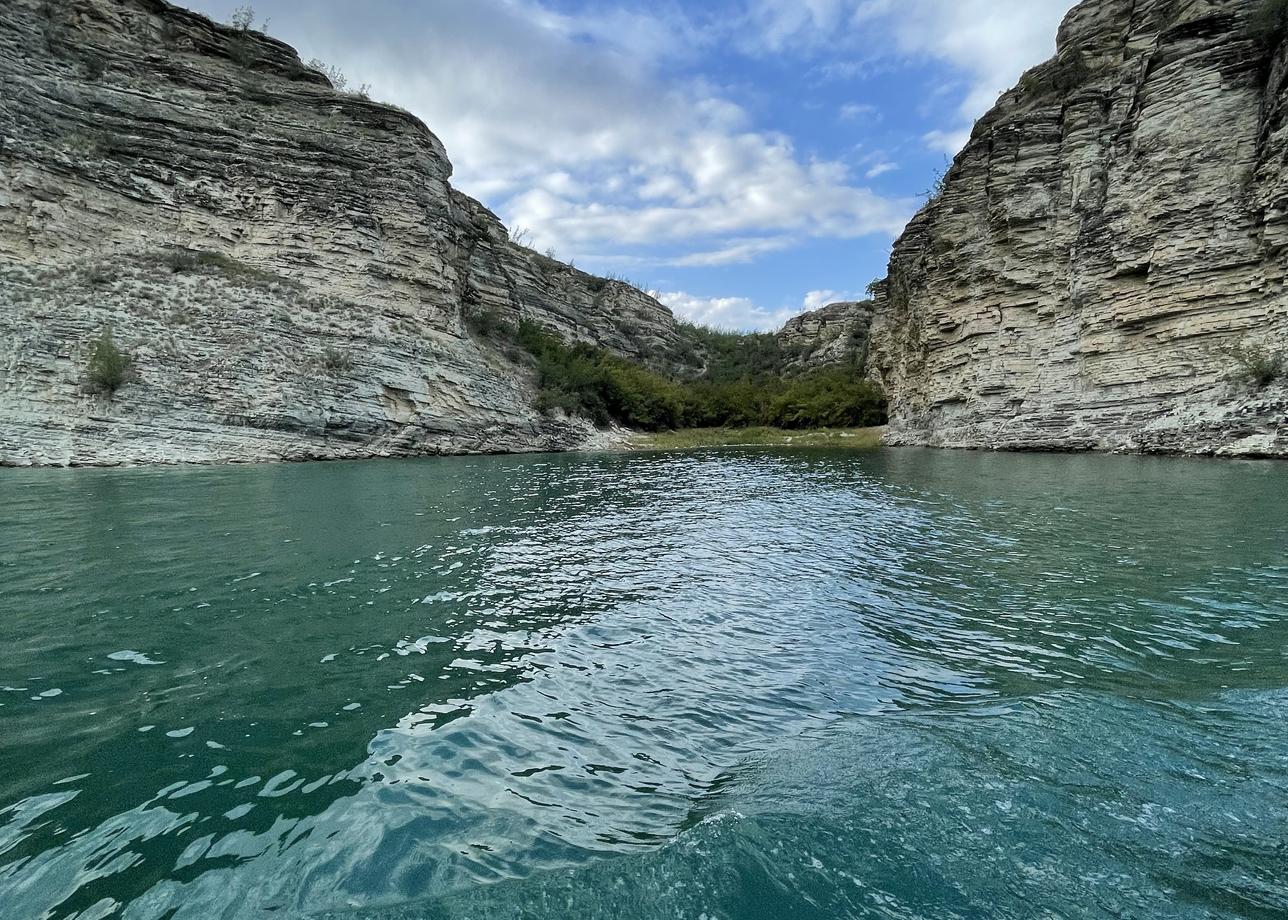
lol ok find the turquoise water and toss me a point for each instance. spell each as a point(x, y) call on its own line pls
point(744, 684)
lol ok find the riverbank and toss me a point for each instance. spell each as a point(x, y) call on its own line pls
point(689, 438)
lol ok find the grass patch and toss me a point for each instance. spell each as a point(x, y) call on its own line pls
point(194, 261)
point(692, 438)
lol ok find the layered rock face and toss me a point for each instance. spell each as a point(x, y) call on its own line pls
point(332, 321)
point(834, 334)
point(1113, 229)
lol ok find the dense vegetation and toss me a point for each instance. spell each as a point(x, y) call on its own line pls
point(744, 385)
point(1268, 25)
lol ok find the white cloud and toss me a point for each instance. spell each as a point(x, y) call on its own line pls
point(990, 43)
point(816, 299)
point(592, 131)
point(743, 313)
point(730, 313)
point(947, 142)
point(853, 111)
point(779, 24)
point(577, 128)
point(735, 252)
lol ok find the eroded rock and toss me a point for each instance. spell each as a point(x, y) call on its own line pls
point(130, 129)
point(831, 335)
point(1115, 226)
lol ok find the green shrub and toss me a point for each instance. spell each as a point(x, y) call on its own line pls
point(242, 51)
point(339, 81)
point(938, 183)
point(744, 384)
point(547, 264)
point(488, 324)
point(1268, 25)
point(833, 398)
point(734, 356)
point(335, 362)
point(109, 367)
point(94, 66)
point(99, 275)
point(88, 145)
point(56, 25)
point(591, 382)
point(1057, 77)
point(185, 261)
point(1258, 365)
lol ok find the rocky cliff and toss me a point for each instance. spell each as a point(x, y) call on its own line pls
point(1108, 250)
point(833, 334)
point(287, 265)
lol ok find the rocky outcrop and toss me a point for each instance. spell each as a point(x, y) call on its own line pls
point(1116, 228)
point(831, 335)
point(287, 265)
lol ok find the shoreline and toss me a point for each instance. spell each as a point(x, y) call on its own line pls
point(625, 441)
point(758, 436)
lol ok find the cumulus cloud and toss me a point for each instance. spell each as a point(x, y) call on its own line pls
point(591, 124)
point(816, 299)
point(987, 43)
point(743, 313)
point(947, 142)
point(992, 42)
point(577, 128)
point(732, 313)
point(735, 252)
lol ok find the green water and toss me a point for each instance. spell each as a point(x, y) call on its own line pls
point(747, 684)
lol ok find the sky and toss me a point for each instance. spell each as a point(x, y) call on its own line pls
point(742, 159)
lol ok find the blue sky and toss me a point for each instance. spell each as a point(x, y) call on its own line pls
point(744, 159)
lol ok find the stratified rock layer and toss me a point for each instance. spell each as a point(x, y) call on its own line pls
point(831, 335)
point(336, 326)
point(1114, 227)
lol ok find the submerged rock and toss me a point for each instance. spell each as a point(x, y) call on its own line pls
point(1107, 250)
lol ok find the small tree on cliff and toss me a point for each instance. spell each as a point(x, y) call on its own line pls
point(1258, 364)
point(243, 20)
point(108, 368)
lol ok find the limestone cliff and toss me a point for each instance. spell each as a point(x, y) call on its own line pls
point(1113, 229)
point(287, 265)
point(833, 334)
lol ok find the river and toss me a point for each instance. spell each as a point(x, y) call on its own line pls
point(724, 685)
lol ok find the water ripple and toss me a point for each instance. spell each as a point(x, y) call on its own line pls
point(895, 684)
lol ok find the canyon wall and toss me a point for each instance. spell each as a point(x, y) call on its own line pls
point(287, 265)
point(833, 334)
point(1107, 255)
